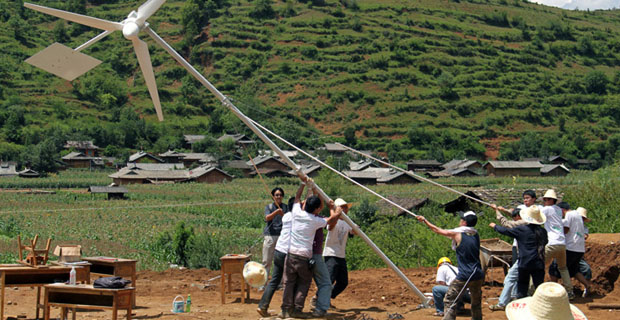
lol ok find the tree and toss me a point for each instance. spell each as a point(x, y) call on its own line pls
point(596, 82)
point(349, 136)
point(263, 10)
point(60, 32)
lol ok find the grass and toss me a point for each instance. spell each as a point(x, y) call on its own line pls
point(230, 214)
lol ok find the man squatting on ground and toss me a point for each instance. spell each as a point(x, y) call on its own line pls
point(575, 244)
point(280, 252)
point(466, 243)
point(509, 291)
point(446, 273)
point(531, 239)
point(297, 273)
point(273, 219)
point(556, 248)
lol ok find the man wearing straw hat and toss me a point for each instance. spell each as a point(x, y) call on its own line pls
point(531, 239)
point(556, 248)
point(549, 302)
point(575, 244)
point(466, 243)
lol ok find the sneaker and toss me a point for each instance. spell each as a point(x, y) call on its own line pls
point(438, 314)
point(284, 314)
point(497, 307)
point(261, 288)
point(318, 313)
point(298, 314)
point(263, 312)
point(571, 295)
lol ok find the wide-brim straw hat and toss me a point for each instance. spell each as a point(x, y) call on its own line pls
point(532, 214)
point(255, 274)
point(584, 213)
point(550, 194)
point(549, 302)
point(340, 202)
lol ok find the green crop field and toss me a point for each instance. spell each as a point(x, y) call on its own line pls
point(194, 224)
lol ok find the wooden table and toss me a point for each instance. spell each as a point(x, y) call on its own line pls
point(108, 266)
point(18, 275)
point(84, 296)
point(232, 264)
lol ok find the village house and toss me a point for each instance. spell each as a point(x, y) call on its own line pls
point(113, 192)
point(240, 139)
point(85, 147)
point(202, 174)
point(268, 166)
point(472, 165)
point(190, 139)
point(310, 169)
point(239, 165)
point(381, 176)
point(8, 169)
point(144, 157)
point(554, 170)
point(335, 149)
point(513, 168)
point(188, 159)
point(80, 160)
point(423, 165)
point(361, 165)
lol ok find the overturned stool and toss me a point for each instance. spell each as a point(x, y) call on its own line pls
point(233, 264)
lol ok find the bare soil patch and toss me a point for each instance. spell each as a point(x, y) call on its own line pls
point(372, 293)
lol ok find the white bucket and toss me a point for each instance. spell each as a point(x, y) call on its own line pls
point(178, 306)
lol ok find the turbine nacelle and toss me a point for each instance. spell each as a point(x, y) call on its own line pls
point(130, 30)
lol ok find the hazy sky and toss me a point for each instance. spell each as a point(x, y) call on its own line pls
point(581, 4)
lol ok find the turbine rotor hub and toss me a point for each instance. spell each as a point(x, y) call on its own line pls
point(131, 30)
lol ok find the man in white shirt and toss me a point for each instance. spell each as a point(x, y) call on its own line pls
point(556, 247)
point(575, 243)
point(297, 272)
point(335, 251)
point(446, 273)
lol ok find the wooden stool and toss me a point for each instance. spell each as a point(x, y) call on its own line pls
point(231, 264)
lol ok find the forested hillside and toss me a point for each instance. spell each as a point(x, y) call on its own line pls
point(413, 78)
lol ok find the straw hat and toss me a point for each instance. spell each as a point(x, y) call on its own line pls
point(584, 213)
point(533, 215)
point(340, 202)
point(550, 194)
point(550, 302)
point(255, 274)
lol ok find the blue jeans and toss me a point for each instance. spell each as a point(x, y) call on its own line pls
point(323, 283)
point(439, 292)
point(276, 278)
point(510, 285)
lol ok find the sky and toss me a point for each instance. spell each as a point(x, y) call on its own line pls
point(581, 4)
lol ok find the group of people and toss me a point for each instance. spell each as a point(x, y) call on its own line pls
point(549, 235)
point(293, 242)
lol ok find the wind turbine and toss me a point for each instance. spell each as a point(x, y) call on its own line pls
point(59, 60)
point(131, 27)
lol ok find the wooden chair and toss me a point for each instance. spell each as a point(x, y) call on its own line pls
point(35, 257)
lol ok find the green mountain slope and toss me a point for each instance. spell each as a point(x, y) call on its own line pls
point(420, 78)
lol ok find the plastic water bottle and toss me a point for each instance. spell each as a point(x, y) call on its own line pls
point(72, 276)
point(188, 303)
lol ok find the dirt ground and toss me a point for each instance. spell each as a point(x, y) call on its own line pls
point(371, 294)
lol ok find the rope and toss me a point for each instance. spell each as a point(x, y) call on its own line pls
point(332, 169)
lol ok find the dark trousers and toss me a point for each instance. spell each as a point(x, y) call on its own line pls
point(297, 279)
point(475, 291)
point(276, 278)
point(523, 283)
point(338, 274)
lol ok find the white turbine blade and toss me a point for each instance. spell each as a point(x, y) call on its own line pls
point(147, 9)
point(144, 58)
point(77, 18)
